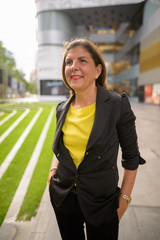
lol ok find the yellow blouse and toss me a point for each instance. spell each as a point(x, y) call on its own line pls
point(76, 129)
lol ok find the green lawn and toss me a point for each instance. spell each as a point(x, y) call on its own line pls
point(8, 143)
point(4, 115)
point(40, 175)
point(8, 123)
point(11, 178)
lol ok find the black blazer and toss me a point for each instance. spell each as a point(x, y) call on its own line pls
point(97, 175)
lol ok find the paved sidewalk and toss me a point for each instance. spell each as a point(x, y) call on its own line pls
point(142, 219)
point(41, 227)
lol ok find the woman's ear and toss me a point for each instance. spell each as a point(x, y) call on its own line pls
point(99, 70)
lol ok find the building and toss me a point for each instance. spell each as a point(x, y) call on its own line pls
point(127, 33)
point(149, 58)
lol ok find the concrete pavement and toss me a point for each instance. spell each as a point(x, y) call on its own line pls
point(142, 219)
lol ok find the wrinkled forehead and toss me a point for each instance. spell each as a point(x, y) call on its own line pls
point(77, 48)
point(78, 51)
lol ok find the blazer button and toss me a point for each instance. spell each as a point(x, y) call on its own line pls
point(99, 157)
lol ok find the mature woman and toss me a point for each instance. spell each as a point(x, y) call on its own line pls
point(90, 126)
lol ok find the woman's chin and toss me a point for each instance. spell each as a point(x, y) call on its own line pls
point(76, 87)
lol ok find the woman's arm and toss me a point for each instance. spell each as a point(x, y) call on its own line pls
point(53, 170)
point(130, 152)
point(126, 188)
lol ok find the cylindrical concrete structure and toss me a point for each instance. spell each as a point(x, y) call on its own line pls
point(54, 27)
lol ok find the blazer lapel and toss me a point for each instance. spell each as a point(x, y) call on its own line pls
point(102, 114)
point(61, 113)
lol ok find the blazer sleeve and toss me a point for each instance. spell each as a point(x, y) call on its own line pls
point(128, 137)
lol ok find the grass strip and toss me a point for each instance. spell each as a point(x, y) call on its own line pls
point(4, 115)
point(39, 178)
point(32, 105)
point(7, 108)
point(12, 138)
point(7, 124)
point(11, 178)
point(21, 106)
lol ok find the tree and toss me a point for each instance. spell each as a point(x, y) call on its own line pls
point(8, 66)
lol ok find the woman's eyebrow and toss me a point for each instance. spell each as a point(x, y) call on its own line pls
point(82, 57)
point(69, 58)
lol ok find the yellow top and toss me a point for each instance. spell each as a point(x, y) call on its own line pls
point(76, 129)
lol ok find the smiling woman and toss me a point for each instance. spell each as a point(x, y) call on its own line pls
point(90, 126)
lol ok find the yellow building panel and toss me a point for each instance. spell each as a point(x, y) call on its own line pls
point(150, 57)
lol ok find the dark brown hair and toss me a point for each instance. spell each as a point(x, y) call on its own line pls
point(95, 54)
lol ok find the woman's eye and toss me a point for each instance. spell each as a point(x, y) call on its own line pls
point(69, 62)
point(83, 60)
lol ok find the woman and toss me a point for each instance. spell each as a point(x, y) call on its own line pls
point(90, 126)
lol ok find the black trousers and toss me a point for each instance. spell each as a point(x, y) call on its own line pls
point(71, 222)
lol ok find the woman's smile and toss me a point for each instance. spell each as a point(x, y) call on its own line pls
point(76, 77)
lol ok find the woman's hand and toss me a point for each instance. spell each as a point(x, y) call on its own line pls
point(123, 205)
point(126, 188)
point(52, 172)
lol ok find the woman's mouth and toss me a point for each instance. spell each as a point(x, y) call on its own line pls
point(76, 77)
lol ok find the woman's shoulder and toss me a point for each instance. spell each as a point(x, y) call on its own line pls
point(64, 104)
point(121, 98)
point(114, 95)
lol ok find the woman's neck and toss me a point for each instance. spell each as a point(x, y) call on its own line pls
point(83, 99)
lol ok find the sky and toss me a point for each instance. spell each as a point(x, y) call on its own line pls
point(18, 32)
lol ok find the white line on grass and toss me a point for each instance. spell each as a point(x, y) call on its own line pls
point(11, 128)
point(8, 117)
point(22, 188)
point(1, 114)
point(18, 144)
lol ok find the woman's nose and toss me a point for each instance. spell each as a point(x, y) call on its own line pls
point(75, 65)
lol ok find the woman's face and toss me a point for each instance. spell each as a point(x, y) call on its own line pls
point(80, 69)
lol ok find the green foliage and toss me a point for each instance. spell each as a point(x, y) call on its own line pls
point(32, 88)
point(8, 65)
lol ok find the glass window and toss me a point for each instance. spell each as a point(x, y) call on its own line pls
point(54, 88)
